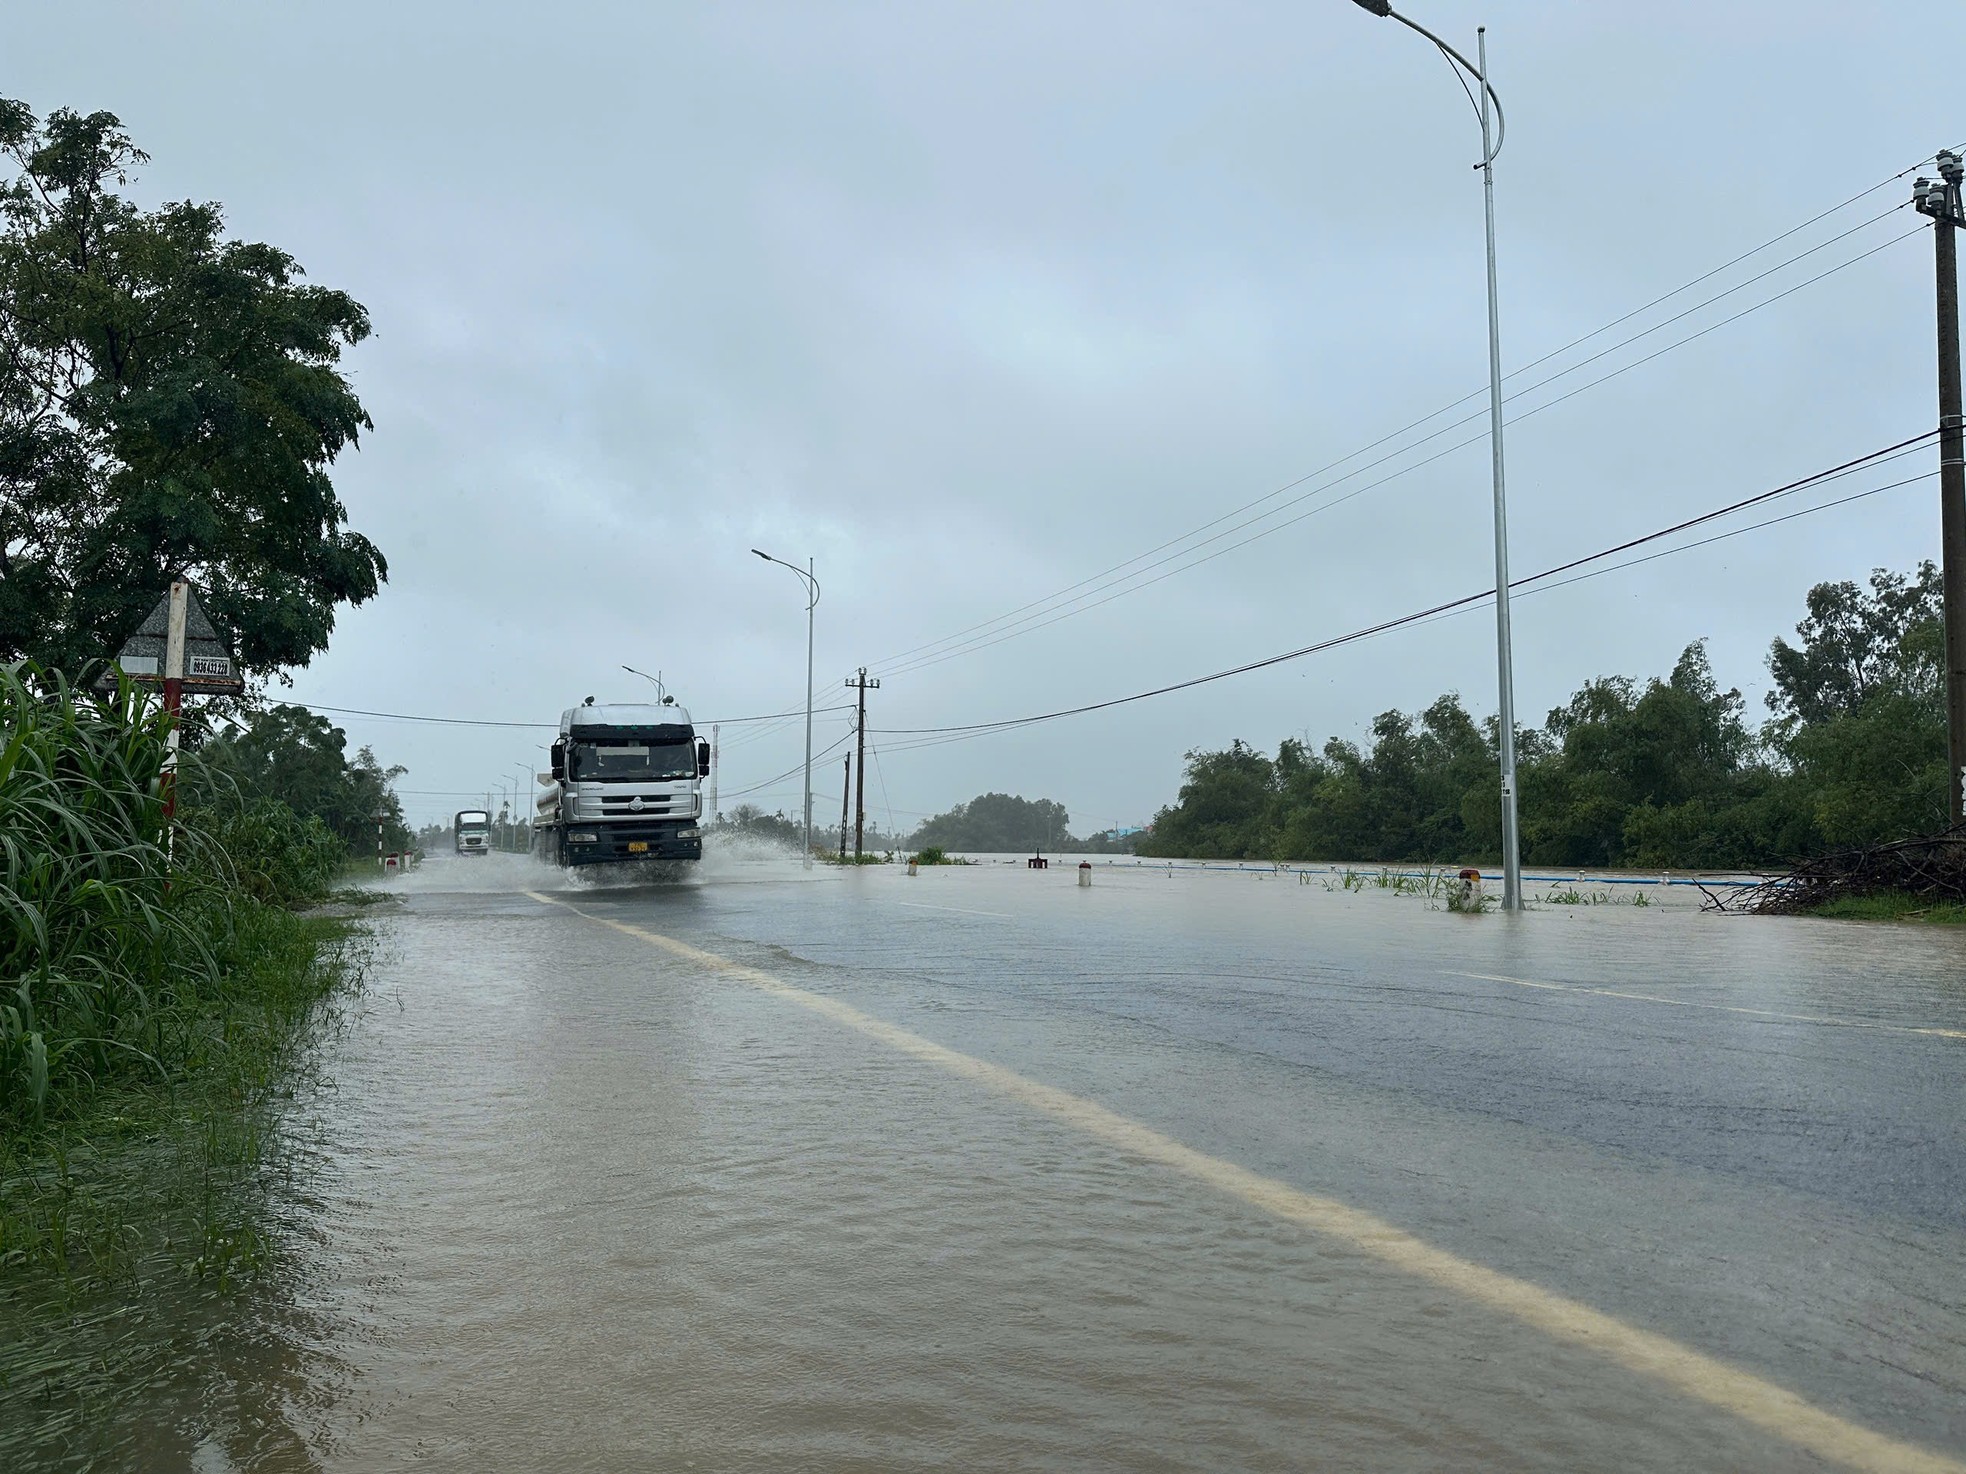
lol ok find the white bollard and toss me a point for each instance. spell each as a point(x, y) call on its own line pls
point(911, 866)
point(1085, 874)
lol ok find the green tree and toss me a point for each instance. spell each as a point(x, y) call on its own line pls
point(999, 823)
point(1223, 809)
point(1856, 645)
point(170, 403)
point(290, 754)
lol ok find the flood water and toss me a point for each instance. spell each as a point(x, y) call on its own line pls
point(573, 1198)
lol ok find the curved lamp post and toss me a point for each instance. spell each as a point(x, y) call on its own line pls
point(661, 691)
point(1504, 651)
point(529, 785)
point(812, 603)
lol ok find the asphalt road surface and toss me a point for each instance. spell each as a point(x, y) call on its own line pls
point(848, 1170)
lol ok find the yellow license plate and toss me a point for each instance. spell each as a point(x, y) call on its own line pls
point(638, 847)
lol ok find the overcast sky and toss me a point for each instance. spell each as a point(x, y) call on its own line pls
point(971, 302)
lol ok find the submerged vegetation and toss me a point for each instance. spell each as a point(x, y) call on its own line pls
point(156, 977)
point(160, 979)
point(1894, 906)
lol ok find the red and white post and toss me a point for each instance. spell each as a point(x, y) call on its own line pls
point(173, 694)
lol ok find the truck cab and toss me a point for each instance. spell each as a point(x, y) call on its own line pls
point(626, 785)
point(471, 831)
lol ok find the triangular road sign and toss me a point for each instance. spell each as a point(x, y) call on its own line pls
point(209, 669)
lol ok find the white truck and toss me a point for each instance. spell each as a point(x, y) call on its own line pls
point(626, 785)
point(471, 831)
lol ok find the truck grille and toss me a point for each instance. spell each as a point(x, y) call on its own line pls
point(653, 806)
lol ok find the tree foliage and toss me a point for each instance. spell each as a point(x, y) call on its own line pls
point(999, 823)
point(170, 403)
point(1667, 773)
point(290, 754)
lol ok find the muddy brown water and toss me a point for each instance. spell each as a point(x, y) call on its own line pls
point(575, 1199)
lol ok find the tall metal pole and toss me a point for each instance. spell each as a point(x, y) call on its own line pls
point(1504, 652)
point(1504, 646)
point(812, 603)
point(810, 607)
point(1942, 202)
point(716, 729)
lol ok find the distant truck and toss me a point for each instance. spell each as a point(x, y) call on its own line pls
point(471, 831)
point(626, 785)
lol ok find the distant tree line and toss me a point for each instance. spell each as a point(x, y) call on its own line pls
point(287, 755)
point(1668, 773)
point(998, 823)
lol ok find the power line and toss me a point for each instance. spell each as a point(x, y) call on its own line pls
point(993, 631)
point(1397, 434)
point(398, 716)
point(1034, 622)
point(789, 773)
point(1864, 462)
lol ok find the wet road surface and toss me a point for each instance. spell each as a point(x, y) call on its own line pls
point(981, 1170)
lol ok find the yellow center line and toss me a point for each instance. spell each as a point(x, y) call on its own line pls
point(1768, 1406)
point(1794, 1018)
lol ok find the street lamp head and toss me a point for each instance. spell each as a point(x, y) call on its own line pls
point(762, 554)
point(1380, 8)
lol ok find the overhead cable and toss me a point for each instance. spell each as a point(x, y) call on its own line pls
point(399, 716)
point(1036, 622)
point(1466, 398)
point(1850, 467)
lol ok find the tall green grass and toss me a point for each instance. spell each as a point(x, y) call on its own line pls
point(122, 947)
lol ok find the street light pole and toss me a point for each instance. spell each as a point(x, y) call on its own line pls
point(661, 691)
point(812, 603)
point(1504, 647)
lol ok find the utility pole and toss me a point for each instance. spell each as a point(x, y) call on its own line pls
point(846, 787)
point(863, 686)
point(1941, 200)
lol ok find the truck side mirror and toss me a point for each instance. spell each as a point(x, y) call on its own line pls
point(703, 757)
point(559, 760)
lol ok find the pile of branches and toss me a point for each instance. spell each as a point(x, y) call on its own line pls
point(1932, 868)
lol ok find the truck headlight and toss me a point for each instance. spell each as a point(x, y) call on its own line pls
point(691, 833)
point(583, 837)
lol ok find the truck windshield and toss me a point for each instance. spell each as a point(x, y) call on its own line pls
point(626, 758)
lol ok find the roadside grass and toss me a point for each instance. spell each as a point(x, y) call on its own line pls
point(1893, 906)
point(159, 991)
point(149, 1170)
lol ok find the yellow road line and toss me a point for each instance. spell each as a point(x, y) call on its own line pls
point(1794, 1018)
point(1772, 1408)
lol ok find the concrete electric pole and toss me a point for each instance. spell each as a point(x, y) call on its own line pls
point(863, 686)
point(846, 788)
point(1941, 200)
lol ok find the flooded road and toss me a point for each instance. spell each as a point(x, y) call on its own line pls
point(982, 1170)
